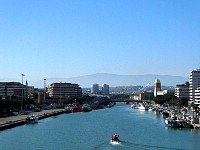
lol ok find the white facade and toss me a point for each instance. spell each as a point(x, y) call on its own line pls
point(105, 89)
point(95, 89)
point(182, 91)
point(194, 83)
point(197, 96)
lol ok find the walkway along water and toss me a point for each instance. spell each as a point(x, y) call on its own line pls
point(10, 122)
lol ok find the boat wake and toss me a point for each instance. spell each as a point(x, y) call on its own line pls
point(122, 145)
point(116, 143)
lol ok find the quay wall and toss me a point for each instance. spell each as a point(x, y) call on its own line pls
point(14, 121)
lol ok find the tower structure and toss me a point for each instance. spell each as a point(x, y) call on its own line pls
point(157, 87)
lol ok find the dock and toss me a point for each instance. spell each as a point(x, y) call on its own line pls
point(14, 121)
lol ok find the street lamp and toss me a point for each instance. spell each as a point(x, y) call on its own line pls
point(44, 89)
point(22, 92)
point(60, 92)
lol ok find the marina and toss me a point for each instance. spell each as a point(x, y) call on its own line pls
point(93, 131)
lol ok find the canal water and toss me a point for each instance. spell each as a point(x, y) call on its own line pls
point(140, 130)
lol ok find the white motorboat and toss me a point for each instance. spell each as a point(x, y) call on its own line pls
point(142, 107)
point(32, 118)
point(168, 122)
point(150, 109)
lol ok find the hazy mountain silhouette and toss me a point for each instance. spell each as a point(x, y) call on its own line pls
point(116, 80)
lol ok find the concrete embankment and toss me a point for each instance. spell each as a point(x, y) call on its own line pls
point(14, 121)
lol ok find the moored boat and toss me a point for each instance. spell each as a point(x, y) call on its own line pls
point(32, 118)
point(178, 123)
point(142, 107)
point(168, 122)
point(68, 109)
point(86, 108)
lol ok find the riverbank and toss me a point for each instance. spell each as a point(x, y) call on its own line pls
point(10, 122)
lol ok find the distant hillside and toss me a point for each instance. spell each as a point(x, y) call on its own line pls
point(117, 80)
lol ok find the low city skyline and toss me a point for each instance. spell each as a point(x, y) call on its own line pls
point(65, 38)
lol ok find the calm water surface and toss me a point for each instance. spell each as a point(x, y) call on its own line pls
point(93, 130)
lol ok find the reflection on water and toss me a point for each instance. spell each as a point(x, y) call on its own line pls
point(129, 146)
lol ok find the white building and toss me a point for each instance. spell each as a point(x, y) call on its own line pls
point(182, 90)
point(197, 96)
point(105, 89)
point(95, 89)
point(194, 83)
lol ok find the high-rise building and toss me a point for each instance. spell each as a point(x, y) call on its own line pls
point(105, 89)
point(197, 96)
point(194, 83)
point(157, 87)
point(95, 89)
point(182, 90)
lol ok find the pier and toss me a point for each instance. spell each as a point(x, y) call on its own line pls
point(14, 121)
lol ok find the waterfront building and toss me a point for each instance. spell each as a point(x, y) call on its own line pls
point(64, 90)
point(95, 89)
point(105, 89)
point(30, 92)
point(197, 96)
point(13, 89)
point(157, 87)
point(182, 90)
point(145, 95)
point(194, 83)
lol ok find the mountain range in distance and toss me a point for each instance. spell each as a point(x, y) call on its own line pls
point(114, 80)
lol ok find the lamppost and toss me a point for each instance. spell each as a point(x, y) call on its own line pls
point(22, 93)
point(60, 92)
point(44, 90)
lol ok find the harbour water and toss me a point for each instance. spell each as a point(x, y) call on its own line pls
point(92, 131)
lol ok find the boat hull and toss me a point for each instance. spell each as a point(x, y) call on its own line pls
point(32, 119)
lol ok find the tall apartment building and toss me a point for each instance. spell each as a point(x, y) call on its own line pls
point(197, 96)
point(157, 87)
point(182, 90)
point(105, 89)
point(194, 83)
point(64, 90)
point(9, 89)
point(95, 89)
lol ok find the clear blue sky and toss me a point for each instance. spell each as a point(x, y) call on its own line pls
point(69, 38)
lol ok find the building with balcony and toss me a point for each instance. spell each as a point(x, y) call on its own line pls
point(13, 89)
point(182, 91)
point(194, 83)
point(197, 96)
point(64, 90)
